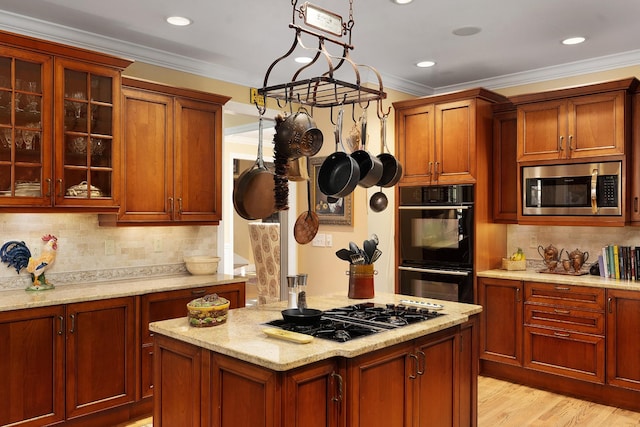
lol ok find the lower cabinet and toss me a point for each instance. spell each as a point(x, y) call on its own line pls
point(623, 339)
point(171, 304)
point(431, 381)
point(579, 340)
point(62, 362)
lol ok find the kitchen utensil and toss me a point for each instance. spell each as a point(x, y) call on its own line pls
point(344, 254)
point(306, 226)
point(304, 316)
point(370, 166)
point(369, 248)
point(288, 335)
point(391, 167)
point(376, 254)
point(378, 201)
point(354, 248)
point(357, 258)
point(201, 264)
point(339, 173)
point(375, 239)
point(254, 191)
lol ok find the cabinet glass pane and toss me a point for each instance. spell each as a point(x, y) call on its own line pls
point(5, 73)
point(101, 122)
point(5, 178)
point(75, 153)
point(28, 182)
point(101, 89)
point(100, 152)
point(101, 181)
point(5, 106)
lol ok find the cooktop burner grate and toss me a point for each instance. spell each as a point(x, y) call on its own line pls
point(359, 320)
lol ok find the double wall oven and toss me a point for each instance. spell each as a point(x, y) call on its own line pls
point(436, 242)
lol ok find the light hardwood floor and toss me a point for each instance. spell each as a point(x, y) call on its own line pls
point(504, 404)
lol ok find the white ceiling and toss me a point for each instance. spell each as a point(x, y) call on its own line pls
point(237, 40)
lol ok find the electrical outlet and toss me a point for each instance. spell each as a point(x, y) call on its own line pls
point(319, 240)
point(533, 241)
point(328, 240)
point(157, 245)
point(109, 247)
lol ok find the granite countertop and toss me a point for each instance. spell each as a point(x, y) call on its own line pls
point(534, 275)
point(65, 294)
point(242, 336)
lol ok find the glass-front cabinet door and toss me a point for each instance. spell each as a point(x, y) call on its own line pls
point(86, 153)
point(25, 128)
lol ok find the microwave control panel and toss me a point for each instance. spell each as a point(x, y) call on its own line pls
point(607, 191)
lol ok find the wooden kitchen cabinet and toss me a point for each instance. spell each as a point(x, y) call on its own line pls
point(100, 355)
point(171, 304)
point(59, 123)
point(427, 382)
point(634, 197)
point(62, 362)
point(501, 320)
point(172, 155)
point(505, 165)
point(444, 139)
point(32, 366)
point(623, 338)
point(423, 382)
point(576, 123)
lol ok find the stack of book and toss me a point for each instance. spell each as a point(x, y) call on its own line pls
point(620, 262)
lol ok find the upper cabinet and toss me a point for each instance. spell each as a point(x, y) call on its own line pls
point(440, 139)
point(172, 155)
point(574, 124)
point(59, 141)
point(634, 199)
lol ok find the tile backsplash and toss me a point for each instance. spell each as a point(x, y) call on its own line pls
point(87, 251)
point(589, 239)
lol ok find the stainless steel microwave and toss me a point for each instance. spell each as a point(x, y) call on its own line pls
point(581, 189)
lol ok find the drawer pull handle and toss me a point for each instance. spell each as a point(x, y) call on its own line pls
point(609, 301)
point(562, 288)
point(338, 379)
point(558, 334)
point(198, 291)
point(562, 311)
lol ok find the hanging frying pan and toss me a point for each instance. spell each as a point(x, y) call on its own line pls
point(253, 193)
point(391, 167)
point(339, 173)
point(370, 166)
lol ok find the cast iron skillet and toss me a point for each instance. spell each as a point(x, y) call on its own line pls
point(304, 316)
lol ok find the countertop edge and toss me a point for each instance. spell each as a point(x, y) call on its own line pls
point(583, 280)
point(72, 293)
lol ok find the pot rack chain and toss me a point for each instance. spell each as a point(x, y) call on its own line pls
point(323, 91)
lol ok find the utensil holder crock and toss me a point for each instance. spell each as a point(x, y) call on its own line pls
point(361, 281)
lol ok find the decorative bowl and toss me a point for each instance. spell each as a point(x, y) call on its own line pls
point(210, 310)
point(202, 264)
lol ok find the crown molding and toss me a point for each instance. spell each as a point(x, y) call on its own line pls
point(61, 34)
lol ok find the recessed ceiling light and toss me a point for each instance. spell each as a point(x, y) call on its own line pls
point(401, 1)
point(466, 31)
point(180, 21)
point(425, 64)
point(573, 40)
point(303, 59)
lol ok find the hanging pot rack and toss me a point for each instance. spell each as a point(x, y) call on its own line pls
point(323, 91)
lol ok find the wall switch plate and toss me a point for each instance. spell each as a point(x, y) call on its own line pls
point(533, 241)
point(328, 240)
point(157, 245)
point(319, 240)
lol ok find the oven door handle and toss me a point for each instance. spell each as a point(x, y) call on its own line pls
point(431, 208)
point(594, 191)
point(434, 271)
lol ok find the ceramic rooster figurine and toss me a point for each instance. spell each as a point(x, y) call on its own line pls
point(17, 255)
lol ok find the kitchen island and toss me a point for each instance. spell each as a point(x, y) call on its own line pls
point(235, 375)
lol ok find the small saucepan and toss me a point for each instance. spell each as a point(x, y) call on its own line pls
point(339, 173)
point(302, 316)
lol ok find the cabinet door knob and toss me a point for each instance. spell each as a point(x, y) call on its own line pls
point(60, 187)
point(560, 143)
point(170, 204)
point(338, 379)
point(570, 147)
point(73, 323)
point(48, 194)
point(422, 362)
point(180, 205)
point(415, 372)
point(60, 330)
point(429, 168)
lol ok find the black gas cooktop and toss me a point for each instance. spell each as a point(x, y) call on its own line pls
point(359, 320)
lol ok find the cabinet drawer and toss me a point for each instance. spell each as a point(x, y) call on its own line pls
point(564, 295)
point(572, 354)
point(573, 319)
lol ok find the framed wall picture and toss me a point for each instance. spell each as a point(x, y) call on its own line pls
point(338, 213)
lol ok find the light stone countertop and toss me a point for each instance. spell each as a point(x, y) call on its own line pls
point(242, 336)
point(563, 279)
point(65, 294)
